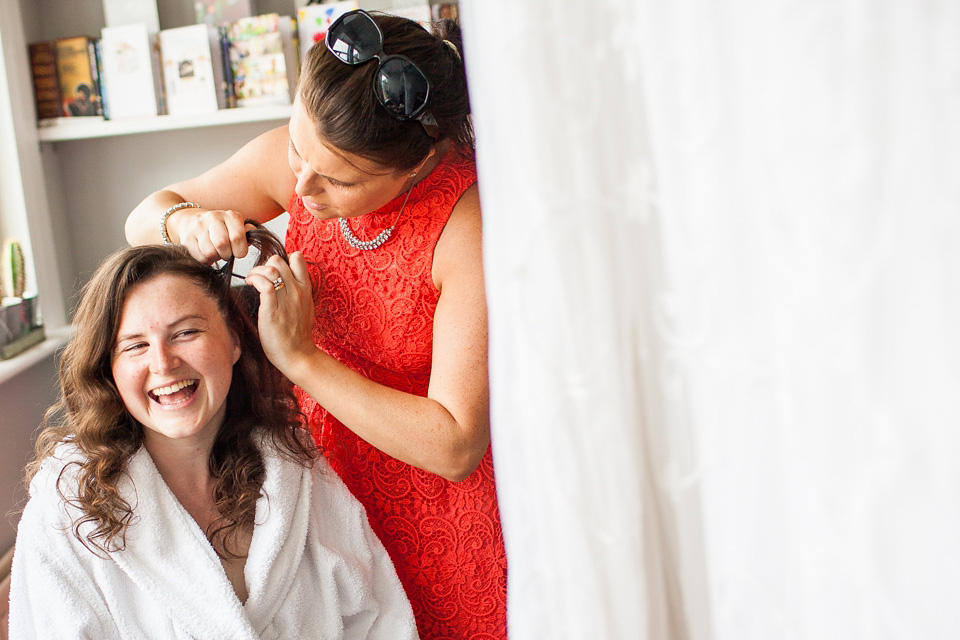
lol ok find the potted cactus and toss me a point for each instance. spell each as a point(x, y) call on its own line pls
point(19, 327)
point(13, 271)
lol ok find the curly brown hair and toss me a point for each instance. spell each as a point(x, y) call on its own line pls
point(91, 416)
point(346, 114)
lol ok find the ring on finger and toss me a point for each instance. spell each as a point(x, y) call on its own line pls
point(278, 284)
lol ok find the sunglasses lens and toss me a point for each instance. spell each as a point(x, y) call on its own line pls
point(354, 38)
point(402, 88)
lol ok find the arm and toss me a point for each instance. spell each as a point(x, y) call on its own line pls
point(255, 183)
point(448, 431)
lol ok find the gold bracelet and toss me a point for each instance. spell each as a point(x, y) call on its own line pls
point(166, 214)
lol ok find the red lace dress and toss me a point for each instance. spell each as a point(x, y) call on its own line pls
point(375, 314)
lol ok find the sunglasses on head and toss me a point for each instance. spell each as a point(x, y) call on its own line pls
point(400, 86)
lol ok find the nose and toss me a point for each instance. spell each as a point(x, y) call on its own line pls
point(307, 184)
point(164, 359)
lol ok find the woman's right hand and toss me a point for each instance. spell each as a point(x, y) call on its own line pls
point(209, 234)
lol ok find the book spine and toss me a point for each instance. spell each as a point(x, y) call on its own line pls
point(46, 86)
point(159, 86)
point(96, 49)
point(229, 90)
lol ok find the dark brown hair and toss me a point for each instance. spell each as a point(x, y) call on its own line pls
point(91, 416)
point(340, 100)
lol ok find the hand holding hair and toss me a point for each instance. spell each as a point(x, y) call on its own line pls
point(209, 235)
point(285, 318)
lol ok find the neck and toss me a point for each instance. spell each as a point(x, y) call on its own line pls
point(184, 467)
point(440, 150)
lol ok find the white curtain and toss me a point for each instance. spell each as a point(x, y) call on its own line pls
point(722, 249)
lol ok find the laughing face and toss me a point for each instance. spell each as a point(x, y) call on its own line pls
point(173, 360)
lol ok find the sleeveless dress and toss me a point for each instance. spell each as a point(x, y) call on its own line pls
point(374, 313)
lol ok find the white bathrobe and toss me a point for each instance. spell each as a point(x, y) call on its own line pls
point(315, 569)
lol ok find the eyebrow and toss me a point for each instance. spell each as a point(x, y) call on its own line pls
point(324, 176)
point(133, 336)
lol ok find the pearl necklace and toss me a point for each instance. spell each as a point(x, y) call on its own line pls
point(383, 236)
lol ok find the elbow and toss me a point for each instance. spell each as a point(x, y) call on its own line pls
point(457, 475)
point(461, 463)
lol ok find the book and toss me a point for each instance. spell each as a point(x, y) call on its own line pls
point(18, 345)
point(46, 87)
point(313, 21)
point(192, 69)
point(230, 94)
point(131, 71)
point(121, 13)
point(78, 78)
point(220, 12)
point(98, 57)
point(263, 59)
point(446, 11)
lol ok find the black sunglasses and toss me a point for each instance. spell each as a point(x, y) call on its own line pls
point(400, 86)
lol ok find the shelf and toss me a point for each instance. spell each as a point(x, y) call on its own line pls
point(56, 338)
point(59, 129)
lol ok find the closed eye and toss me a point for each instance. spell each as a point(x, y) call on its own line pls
point(134, 346)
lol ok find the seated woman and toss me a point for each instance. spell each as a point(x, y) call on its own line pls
point(174, 494)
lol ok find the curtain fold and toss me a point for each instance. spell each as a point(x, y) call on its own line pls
point(722, 251)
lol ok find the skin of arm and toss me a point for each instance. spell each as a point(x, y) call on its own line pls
point(448, 431)
point(255, 183)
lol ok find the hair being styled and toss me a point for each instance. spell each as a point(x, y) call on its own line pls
point(339, 97)
point(91, 416)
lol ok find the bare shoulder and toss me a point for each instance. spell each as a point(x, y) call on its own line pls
point(459, 246)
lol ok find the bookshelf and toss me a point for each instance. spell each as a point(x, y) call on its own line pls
point(78, 177)
point(63, 129)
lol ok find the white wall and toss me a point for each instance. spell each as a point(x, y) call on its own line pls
point(23, 399)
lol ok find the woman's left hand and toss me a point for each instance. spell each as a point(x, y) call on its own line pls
point(286, 312)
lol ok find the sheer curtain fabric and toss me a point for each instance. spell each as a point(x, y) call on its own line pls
point(721, 249)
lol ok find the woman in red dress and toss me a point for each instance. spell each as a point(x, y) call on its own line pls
point(380, 318)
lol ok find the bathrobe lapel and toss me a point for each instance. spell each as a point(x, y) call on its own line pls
point(168, 556)
point(279, 538)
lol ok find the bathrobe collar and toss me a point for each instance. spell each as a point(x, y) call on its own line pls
point(168, 556)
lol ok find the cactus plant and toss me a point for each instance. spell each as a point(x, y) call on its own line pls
point(14, 270)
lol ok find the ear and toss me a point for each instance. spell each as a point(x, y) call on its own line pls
point(236, 347)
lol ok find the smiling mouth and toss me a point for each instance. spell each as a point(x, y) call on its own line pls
point(174, 393)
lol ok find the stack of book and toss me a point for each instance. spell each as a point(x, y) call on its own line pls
point(229, 58)
point(66, 79)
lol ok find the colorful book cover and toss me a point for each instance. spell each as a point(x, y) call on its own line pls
point(313, 21)
point(219, 12)
point(130, 70)
point(192, 69)
point(46, 87)
point(77, 74)
point(262, 59)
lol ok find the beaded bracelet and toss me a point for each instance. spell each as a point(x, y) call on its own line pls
point(166, 214)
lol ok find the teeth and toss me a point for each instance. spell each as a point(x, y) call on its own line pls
point(173, 388)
